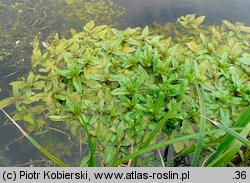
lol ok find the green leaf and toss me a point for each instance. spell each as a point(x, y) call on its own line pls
point(36, 52)
point(6, 102)
point(116, 44)
point(65, 73)
point(132, 41)
point(92, 83)
point(70, 104)
point(30, 78)
point(84, 161)
point(143, 72)
point(179, 146)
point(99, 28)
point(29, 118)
point(116, 32)
point(94, 118)
point(120, 91)
point(38, 96)
point(198, 21)
point(193, 46)
point(145, 31)
point(90, 25)
point(58, 118)
point(60, 48)
point(101, 34)
point(159, 102)
point(74, 47)
point(204, 39)
point(244, 28)
point(77, 84)
point(225, 117)
point(109, 152)
point(228, 24)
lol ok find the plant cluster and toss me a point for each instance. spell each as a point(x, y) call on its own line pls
point(23, 21)
point(132, 88)
point(220, 58)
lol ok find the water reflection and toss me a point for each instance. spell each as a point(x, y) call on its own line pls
point(144, 12)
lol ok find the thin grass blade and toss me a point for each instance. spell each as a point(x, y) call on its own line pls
point(36, 144)
point(199, 145)
point(163, 144)
point(231, 132)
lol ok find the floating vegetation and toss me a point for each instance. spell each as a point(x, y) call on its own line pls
point(124, 90)
point(23, 21)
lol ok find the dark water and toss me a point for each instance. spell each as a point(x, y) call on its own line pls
point(138, 13)
point(144, 12)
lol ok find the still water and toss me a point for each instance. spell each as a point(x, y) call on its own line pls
point(144, 12)
point(21, 21)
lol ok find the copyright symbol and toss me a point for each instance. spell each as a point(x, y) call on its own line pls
point(9, 176)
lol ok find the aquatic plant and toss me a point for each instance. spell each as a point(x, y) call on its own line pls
point(128, 89)
point(23, 21)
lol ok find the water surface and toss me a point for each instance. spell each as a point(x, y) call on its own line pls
point(144, 12)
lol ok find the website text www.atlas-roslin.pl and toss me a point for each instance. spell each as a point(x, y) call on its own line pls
point(133, 175)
